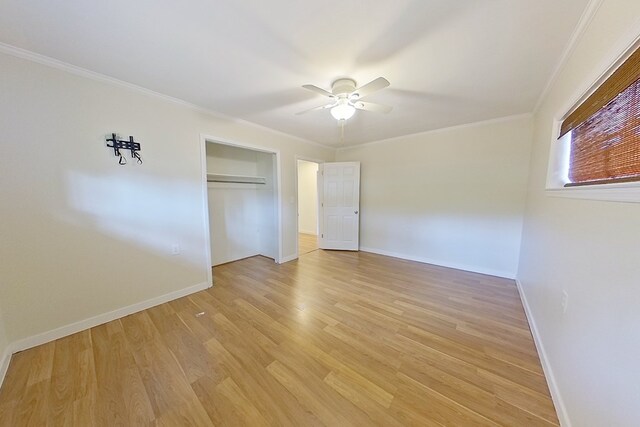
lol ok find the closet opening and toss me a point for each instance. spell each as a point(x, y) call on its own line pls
point(307, 184)
point(242, 194)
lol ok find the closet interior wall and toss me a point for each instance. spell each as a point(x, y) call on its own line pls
point(242, 217)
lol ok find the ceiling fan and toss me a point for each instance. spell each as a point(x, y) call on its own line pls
point(346, 97)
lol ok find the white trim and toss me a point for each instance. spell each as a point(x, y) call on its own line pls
point(625, 192)
point(614, 58)
point(320, 184)
point(578, 32)
point(224, 141)
point(243, 257)
point(82, 325)
point(205, 207)
point(288, 258)
point(279, 201)
point(91, 322)
point(561, 409)
point(617, 192)
point(4, 362)
point(279, 132)
point(457, 266)
point(83, 72)
point(309, 159)
point(439, 130)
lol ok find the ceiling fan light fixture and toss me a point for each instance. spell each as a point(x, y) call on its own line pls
point(343, 111)
point(346, 98)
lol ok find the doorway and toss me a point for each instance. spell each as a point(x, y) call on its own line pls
point(307, 179)
point(242, 194)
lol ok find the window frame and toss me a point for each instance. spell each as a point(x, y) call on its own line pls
point(558, 165)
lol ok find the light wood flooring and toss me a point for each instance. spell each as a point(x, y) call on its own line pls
point(307, 243)
point(334, 338)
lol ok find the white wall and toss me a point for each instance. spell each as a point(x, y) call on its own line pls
point(307, 197)
point(590, 249)
point(453, 197)
point(81, 235)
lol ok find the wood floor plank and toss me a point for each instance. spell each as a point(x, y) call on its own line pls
point(17, 377)
point(270, 397)
point(317, 397)
point(331, 339)
point(8, 413)
point(32, 410)
point(436, 406)
point(186, 414)
point(307, 243)
point(42, 363)
point(109, 405)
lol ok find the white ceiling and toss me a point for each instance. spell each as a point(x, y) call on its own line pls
point(449, 62)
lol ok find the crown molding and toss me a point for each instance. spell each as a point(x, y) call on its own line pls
point(83, 72)
point(576, 36)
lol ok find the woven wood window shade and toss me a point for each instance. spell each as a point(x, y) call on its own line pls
point(605, 138)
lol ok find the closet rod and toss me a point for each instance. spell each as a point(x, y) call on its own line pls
point(236, 179)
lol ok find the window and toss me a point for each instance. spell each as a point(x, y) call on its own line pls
point(597, 152)
point(604, 140)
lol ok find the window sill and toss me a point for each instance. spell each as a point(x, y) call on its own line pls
point(627, 192)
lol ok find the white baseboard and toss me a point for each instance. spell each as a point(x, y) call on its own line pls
point(465, 267)
point(4, 363)
point(82, 325)
point(288, 258)
point(237, 258)
point(561, 409)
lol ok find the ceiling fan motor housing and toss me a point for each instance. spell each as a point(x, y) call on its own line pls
point(345, 97)
point(343, 87)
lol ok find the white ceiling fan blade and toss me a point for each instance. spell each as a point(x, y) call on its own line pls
point(370, 106)
point(319, 90)
point(322, 107)
point(372, 86)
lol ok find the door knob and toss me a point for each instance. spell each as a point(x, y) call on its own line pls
point(355, 212)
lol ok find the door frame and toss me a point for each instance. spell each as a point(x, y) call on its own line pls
point(306, 159)
point(204, 139)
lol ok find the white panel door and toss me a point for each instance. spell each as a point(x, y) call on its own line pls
point(339, 194)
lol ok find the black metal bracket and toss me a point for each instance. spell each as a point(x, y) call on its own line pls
point(119, 144)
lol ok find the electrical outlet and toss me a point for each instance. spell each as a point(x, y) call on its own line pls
point(564, 301)
point(175, 249)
